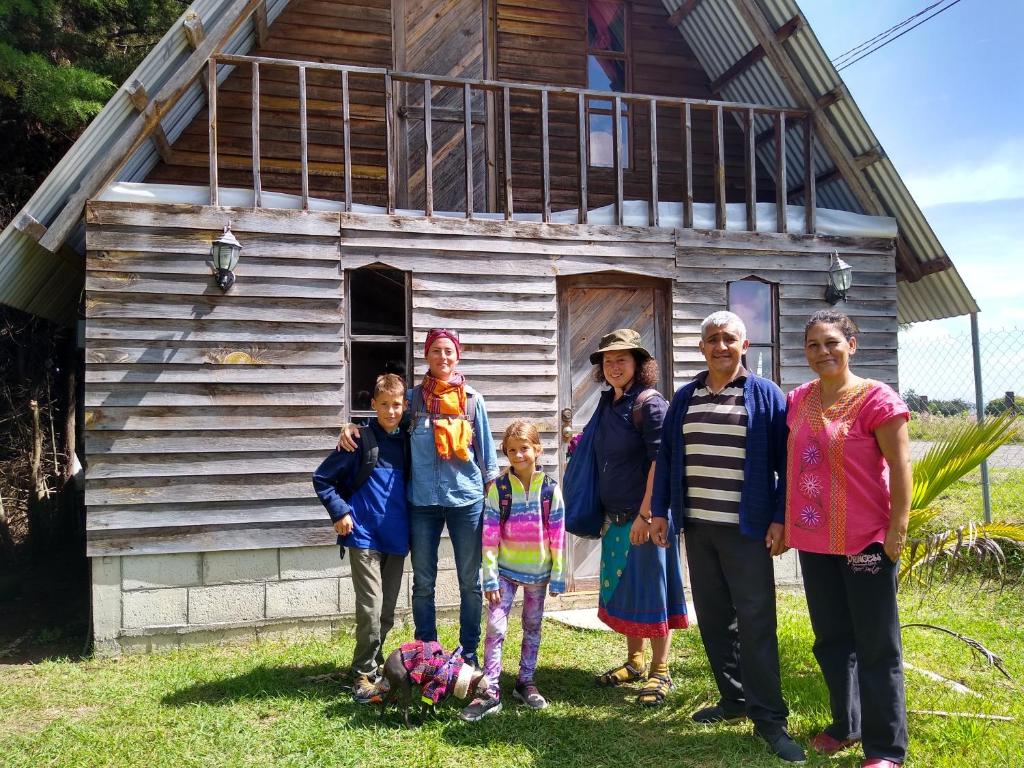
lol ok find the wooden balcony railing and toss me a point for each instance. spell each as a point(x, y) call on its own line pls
point(501, 93)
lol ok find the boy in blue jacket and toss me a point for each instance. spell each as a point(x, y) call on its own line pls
point(366, 502)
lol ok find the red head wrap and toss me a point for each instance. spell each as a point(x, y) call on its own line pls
point(443, 333)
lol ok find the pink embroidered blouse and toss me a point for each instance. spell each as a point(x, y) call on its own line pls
point(837, 481)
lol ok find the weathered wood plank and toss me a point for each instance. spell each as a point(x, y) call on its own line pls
point(171, 541)
point(810, 196)
point(162, 266)
point(774, 241)
point(346, 117)
point(211, 110)
point(145, 468)
point(617, 161)
point(303, 140)
point(192, 353)
point(143, 516)
point(185, 490)
point(583, 161)
point(141, 373)
point(104, 418)
point(781, 195)
point(718, 134)
point(467, 139)
point(507, 303)
point(652, 210)
point(198, 221)
point(247, 286)
point(503, 248)
point(207, 308)
point(427, 282)
point(428, 149)
point(687, 126)
point(750, 169)
point(506, 128)
point(213, 394)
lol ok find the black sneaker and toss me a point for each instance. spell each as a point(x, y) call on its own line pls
point(783, 746)
point(481, 708)
point(529, 695)
point(717, 714)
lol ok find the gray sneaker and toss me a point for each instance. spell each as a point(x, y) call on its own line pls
point(481, 708)
point(528, 694)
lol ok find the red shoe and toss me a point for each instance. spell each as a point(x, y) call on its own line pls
point(880, 762)
point(825, 744)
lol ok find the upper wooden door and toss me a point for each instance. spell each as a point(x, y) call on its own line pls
point(589, 307)
point(447, 39)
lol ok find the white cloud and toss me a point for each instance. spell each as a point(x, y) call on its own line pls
point(997, 177)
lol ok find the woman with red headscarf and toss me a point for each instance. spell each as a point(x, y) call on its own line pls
point(453, 460)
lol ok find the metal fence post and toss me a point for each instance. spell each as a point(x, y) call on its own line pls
point(979, 400)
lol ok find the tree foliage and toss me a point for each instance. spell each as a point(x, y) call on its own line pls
point(60, 61)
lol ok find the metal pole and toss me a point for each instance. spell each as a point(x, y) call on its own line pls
point(979, 402)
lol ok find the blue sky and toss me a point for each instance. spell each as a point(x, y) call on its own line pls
point(946, 101)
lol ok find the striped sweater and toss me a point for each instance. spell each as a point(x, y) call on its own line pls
point(521, 549)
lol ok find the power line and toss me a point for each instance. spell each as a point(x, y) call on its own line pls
point(841, 65)
point(857, 48)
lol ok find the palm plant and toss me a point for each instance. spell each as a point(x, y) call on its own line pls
point(945, 463)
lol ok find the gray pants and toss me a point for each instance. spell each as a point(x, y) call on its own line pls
point(377, 580)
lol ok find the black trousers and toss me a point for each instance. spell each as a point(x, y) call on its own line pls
point(733, 586)
point(852, 603)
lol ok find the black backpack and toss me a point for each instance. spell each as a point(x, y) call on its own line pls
point(504, 486)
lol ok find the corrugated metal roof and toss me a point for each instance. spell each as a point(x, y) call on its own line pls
point(719, 37)
point(33, 279)
point(37, 281)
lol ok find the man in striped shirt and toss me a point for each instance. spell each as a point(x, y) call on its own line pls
point(721, 471)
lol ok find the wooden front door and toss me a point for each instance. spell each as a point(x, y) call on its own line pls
point(589, 307)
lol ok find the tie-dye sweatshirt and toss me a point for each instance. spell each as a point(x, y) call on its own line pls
point(523, 549)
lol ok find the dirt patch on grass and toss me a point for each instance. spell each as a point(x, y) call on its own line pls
point(33, 721)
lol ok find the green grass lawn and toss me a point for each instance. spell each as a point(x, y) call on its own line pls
point(962, 501)
point(255, 705)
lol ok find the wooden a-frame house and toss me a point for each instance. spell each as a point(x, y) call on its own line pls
point(533, 174)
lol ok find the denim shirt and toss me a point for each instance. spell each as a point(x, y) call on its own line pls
point(453, 482)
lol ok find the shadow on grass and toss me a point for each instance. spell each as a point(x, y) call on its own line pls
point(265, 682)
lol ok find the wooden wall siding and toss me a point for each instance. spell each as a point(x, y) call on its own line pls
point(446, 39)
point(546, 43)
point(799, 268)
point(356, 32)
point(206, 413)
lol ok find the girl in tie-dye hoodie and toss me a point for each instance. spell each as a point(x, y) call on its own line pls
point(523, 545)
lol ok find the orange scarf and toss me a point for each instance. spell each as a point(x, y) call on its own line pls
point(445, 401)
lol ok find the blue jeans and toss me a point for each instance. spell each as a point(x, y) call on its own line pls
point(465, 529)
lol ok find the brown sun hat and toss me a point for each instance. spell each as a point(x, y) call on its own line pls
point(623, 338)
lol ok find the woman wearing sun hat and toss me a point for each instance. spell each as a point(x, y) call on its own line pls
point(641, 593)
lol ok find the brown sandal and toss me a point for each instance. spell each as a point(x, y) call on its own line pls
point(621, 675)
point(655, 690)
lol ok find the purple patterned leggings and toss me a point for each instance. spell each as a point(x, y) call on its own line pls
point(497, 627)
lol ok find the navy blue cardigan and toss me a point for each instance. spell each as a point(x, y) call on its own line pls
point(763, 498)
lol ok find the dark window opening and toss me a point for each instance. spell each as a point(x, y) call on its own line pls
point(377, 332)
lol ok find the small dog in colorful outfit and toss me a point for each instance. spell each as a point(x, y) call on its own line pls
point(439, 675)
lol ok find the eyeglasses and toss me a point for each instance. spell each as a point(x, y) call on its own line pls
point(445, 331)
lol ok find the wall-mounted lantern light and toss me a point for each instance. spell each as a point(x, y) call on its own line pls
point(840, 277)
point(224, 253)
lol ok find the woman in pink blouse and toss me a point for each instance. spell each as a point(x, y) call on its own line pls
point(847, 506)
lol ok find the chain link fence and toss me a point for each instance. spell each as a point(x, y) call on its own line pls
point(937, 381)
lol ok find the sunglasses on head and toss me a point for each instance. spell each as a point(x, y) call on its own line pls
point(446, 331)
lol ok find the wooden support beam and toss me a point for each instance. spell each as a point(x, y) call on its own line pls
point(687, 127)
point(545, 160)
point(780, 173)
point(581, 117)
point(907, 266)
point(745, 62)
point(870, 157)
point(29, 226)
point(754, 55)
point(257, 184)
point(192, 25)
point(467, 128)
point(617, 158)
point(653, 212)
point(825, 132)
point(938, 264)
point(682, 12)
point(827, 177)
point(829, 98)
point(140, 100)
point(262, 22)
point(428, 148)
point(133, 136)
point(346, 121)
point(389, 141)
point(506, 132)
point(718, 140)
point(303, 140)
point(750, 170)
point(211, 75)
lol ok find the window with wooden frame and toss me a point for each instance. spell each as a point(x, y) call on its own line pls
point(377, 331)
point(608, 69)
point(756, 301)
